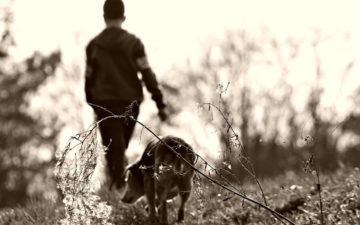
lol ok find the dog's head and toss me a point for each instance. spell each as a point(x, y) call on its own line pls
point(134, 184)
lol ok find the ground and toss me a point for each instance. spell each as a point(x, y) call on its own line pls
point(294, 195)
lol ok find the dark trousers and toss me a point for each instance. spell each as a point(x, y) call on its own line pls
point(116, 134)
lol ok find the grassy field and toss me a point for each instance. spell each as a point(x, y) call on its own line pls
point(293, 195)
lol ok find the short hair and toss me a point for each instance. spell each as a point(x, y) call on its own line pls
point(114, 9)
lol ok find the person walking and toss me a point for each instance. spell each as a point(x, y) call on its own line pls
point(114, 59)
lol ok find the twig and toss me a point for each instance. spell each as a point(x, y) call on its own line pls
point(318, 189)
point(236, 136)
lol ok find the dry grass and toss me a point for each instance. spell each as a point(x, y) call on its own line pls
point(291, 194)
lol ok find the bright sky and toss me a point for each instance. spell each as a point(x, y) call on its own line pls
point(174, 30)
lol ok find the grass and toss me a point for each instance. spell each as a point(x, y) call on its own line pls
point(35, 211)
point(292, 194)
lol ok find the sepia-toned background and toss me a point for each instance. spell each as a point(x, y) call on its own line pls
point(285, 73)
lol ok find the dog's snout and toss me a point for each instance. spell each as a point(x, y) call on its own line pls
point(127, 199)
point(130, 196)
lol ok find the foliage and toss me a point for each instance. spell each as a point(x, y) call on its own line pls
point(22, 134)
point(277, 131)
point(74, 175)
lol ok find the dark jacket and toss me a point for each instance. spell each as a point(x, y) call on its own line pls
point(113, 60)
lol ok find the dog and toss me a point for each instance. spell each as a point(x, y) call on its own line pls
point(161, 174)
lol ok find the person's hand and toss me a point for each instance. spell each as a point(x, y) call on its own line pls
point(163, 114)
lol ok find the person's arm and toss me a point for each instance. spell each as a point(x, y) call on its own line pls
point(152, 86)
point(148, 76)
point(89, 73)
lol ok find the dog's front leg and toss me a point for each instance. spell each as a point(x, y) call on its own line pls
point(150, 195)
point(184, 192)
point(163, 213)
point(162, 190)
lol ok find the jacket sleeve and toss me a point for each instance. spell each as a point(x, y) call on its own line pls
point(89, 73)
point(153, 87)
point(148, 75)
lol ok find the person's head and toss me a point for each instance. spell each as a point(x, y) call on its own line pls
point(114, 12)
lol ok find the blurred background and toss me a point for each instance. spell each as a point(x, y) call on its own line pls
point(285, 74)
